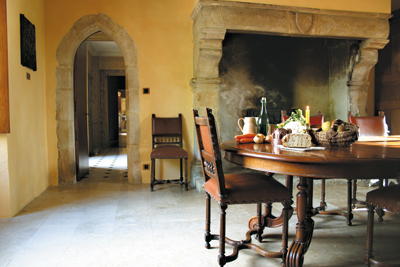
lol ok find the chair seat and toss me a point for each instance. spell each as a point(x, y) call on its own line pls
point(249, 188)
point(385, 197)
point(169, 152)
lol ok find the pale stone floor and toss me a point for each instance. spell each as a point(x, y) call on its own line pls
point(104, 221)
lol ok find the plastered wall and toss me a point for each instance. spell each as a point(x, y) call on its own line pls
point(162, 31)
point(27, 142)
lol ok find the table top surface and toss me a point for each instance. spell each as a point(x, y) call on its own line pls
point(365, 149)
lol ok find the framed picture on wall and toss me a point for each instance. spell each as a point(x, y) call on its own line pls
point(28, 43)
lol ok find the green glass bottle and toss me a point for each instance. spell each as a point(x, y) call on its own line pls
point(262, 121)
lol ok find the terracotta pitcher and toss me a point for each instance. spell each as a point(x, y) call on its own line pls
point(249, 125)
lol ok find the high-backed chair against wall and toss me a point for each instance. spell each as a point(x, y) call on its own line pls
point(369, 126)
point(384, 198)
point(167, 144)
point(237, 188)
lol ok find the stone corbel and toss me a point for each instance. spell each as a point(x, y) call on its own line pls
point(208, 53)
point(359, 79)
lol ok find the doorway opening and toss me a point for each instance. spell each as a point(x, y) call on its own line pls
point(80, 31)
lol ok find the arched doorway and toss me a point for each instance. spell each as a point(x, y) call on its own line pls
point(82, 29)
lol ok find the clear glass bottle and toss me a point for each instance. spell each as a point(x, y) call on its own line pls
point(262, 121)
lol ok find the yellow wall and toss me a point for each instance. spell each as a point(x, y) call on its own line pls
point(162, 31)
point(376, 6)
point(27, 142)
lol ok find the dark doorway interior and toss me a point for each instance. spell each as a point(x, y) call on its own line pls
point(81, 112)
point(114, 84)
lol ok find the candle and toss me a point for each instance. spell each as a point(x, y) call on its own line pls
point(308, 114)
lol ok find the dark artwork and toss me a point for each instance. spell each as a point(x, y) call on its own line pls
point(28, 43)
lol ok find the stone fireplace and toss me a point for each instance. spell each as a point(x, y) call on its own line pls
point(294, 56)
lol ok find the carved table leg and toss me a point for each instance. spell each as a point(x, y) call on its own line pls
point(323, 203)
point(304, 227)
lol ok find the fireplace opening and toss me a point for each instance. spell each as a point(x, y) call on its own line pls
point(292, 72)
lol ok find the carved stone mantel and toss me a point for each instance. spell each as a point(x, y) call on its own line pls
point(212, 19)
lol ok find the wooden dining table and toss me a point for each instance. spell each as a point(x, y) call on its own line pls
point(368, 158)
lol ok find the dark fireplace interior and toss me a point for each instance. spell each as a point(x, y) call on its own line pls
point(292, 72)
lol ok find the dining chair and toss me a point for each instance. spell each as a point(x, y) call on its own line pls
point(167, 144)
point(236, 188)
point(369, 126)
point(385, 198)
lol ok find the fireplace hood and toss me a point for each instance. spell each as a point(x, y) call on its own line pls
point(214, 20)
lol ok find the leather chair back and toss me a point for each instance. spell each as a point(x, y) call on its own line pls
point(167, 131)
point(371, 126)
point(210, 151)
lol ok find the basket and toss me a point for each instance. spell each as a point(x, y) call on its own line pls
point(331, 138)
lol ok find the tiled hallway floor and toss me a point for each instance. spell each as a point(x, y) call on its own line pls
point(104, 221)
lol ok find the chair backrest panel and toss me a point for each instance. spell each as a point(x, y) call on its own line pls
point(210, 152)
point(205, 138)
point(167, 131)
point(371, 126)
point(317, 119)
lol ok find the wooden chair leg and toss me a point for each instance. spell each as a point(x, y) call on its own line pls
point(181, 171)
point(285, 231)
point(289, 183)
point(207, 234)
point(370, 233)
point(153, 174)
point(379, 211)
point(221, 256)
point(186, 174)
point(259, 227)
point(349, 202)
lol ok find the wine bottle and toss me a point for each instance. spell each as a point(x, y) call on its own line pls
point(262, 121)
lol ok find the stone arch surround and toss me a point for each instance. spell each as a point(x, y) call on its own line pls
point(83, 28)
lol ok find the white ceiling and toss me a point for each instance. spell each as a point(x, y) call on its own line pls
point(101, 45)
point(104, 49)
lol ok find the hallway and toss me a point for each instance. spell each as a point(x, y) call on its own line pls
point(104, 221)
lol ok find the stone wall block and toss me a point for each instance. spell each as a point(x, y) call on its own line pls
point(86, 26)
point(65, 104)
point(64, 76)
point(252, 19)
point(127, 46)
point(66, 134)
point(106, 24)
point(132, 80)
point(208, 63)
point(70, 42)
point(358, 98)
point(134, 166)
point(66, 166)
point(133, 133)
